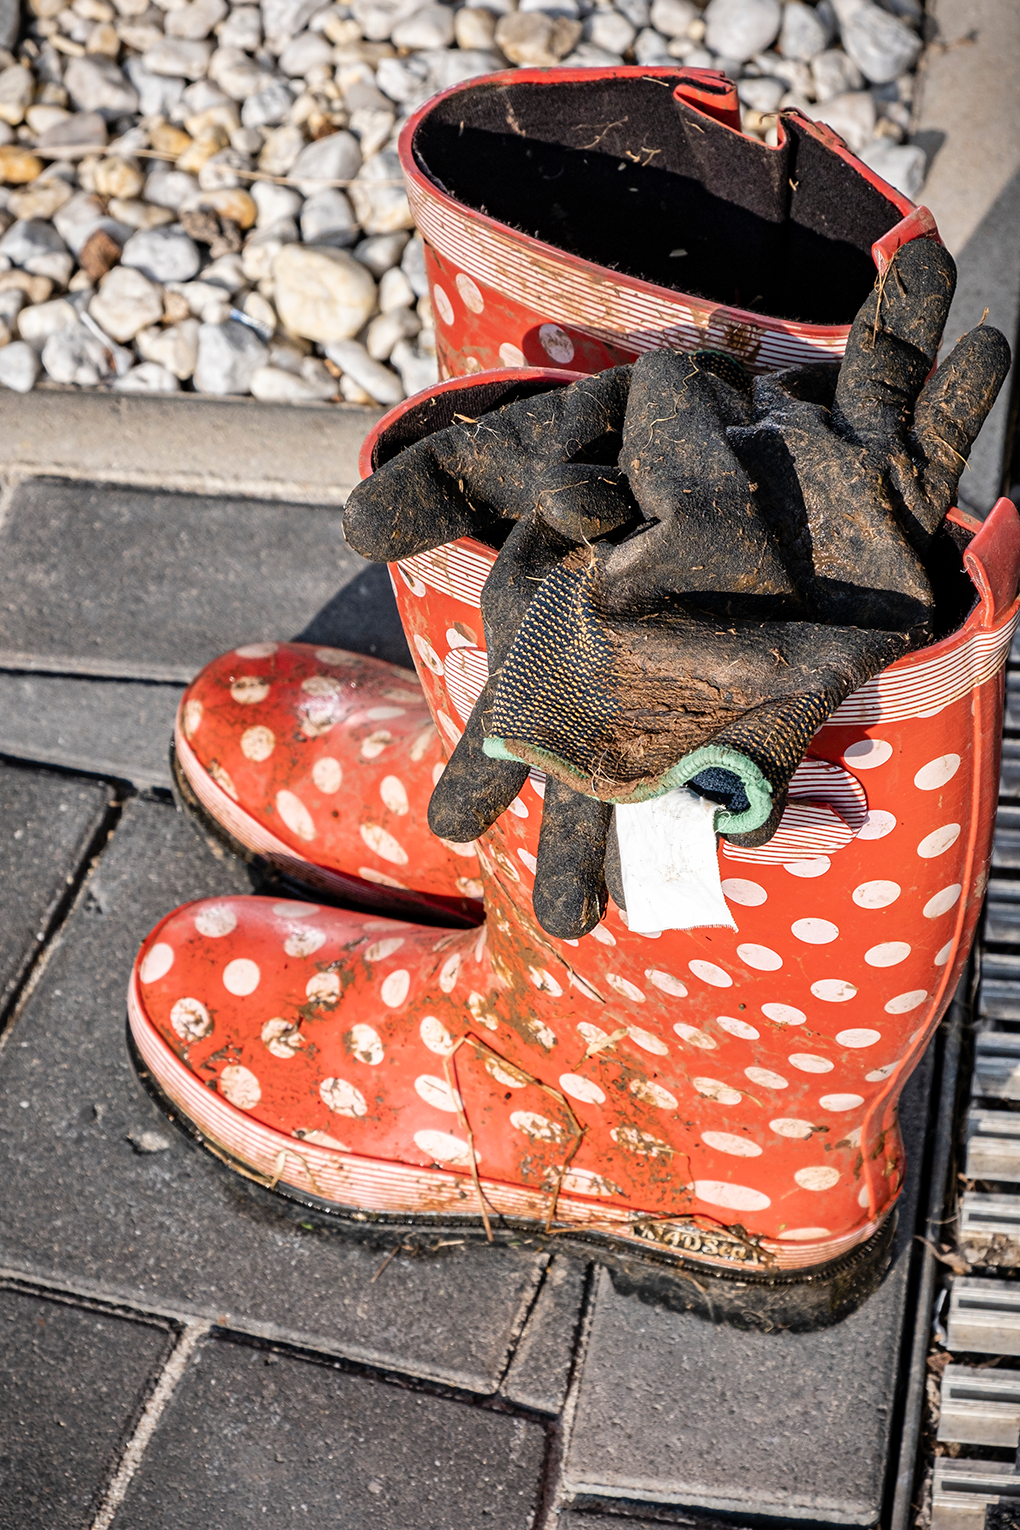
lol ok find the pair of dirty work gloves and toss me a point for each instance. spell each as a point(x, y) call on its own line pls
point(695, 569)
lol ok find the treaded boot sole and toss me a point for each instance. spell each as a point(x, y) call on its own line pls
point(762, 1302)
point(334, 886)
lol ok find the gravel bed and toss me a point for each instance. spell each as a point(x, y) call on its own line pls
point(204, 195)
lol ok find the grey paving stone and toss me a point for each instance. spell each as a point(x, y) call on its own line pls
point(793, 1426)
point(72, 1383)
point(136, 584)
point(540, 1369)
point(253, 1439)
point(47, 823)
point(118, 728)
point(173, 1230)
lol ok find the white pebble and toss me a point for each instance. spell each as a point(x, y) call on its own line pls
point(19, 367)
point(175, 347)
point(429, 27)
point(125, 303)
point(281, 149)
point(194, 21)
point(417, 367)
point(382, 252)
point(395, 291)
point(169, 188)
point(303, 53)
point(673, 17)
point(762, 95)
point(377, 380)
point(320, 293)
point(328, 218)
point(650, 47)
point(902, 165)
point(242, 29)
point(237, 75)
point(158, 94)
point(149, 377)
point(274, 202)
point(851, 115)
point(272, 385)
point(737, 29)
point(610, 30)
point(162, 254)
point(228, 356)
point(386, 329)
point(378, 194)
point(336, 158)
point(38, 323)
point(177, 56)
point(474, 27)
point(36, 247)
point(74, 355)
point(834, 73)
point(97, 85)
point(804, 32)
point(879, 44)
point(267, 107)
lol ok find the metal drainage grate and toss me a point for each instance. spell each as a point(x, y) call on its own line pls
point(963, 1490)
point(993, 1144)
point(984, 1316)
point(997, 1053)
point(990, 1229)
point(979, 1406)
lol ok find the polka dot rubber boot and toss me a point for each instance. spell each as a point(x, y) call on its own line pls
point(317, 764)
point(722, 1101)
point(774, 249)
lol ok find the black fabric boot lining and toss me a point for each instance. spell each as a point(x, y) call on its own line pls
point(621, 173)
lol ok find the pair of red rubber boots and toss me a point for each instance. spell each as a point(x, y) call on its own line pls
point(721, 1102)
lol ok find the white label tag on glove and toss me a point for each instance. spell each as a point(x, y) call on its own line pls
point(669, 863)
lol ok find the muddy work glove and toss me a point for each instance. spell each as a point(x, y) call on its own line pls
point(540, 479)
point(692, 608)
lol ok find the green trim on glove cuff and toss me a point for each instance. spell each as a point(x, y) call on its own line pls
point(756, 786)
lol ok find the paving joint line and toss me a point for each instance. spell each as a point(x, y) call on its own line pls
point(177, 1363)
point(63, 908)
point(230, 1328)
point(523, 1318)
point(554, 1498)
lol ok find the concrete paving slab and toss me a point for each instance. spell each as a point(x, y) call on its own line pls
point(540, 1369)
point(47, 825)
point(173, 1231)
point(254, 1438)
point(232, 446)
point(118, 728)
point(72, 1383)
point(674, 1410)
point(132, 584)
point(968, 121)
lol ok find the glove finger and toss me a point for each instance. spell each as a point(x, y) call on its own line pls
point(952, 408)
point(418, 500)
point(570, 885)
point(474, 790)
point(893, 343)
point(584, 502)
point(704, 534)
point(473, 476)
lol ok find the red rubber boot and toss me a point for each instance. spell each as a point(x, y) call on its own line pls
point(316, 765)
point(504, 299)
point(595, 1088)
point(578, 217)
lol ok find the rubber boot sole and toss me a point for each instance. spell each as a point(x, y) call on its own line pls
point(742, 1297)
